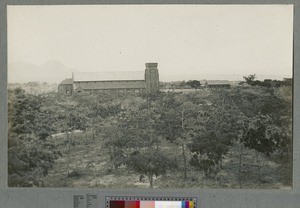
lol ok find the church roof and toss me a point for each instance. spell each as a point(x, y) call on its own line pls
point(113, 85)
point(67, 81)
point(108, 76)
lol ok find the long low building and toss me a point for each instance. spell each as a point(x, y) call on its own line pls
point(215, 83)
point(123, 81)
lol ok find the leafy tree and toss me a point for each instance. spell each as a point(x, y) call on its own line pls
point(151, 162)
point(176, 121)
point(204, 165)
point(261, 114)
point(250, 79)
point(30, 153)
point(262, 135)
point(217, 127)
point(30, 159)
point(114, 142)
point(194, 84)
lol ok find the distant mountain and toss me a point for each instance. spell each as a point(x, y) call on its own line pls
point(50, 72)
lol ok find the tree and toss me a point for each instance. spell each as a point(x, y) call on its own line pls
point(30, 159)
point(210, 142)
point(114, 142)
point(150, 162)
point(261, 113)
point(194, 84)
point(30, 152)
point(177, 120)
point(250, 79)
point(262, 135)
point(217, 127)
point(130, 130)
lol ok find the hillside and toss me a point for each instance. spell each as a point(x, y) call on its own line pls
point(88, 166)
point(239, 137)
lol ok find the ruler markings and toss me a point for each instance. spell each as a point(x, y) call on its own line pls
point(79, 201)
point(91, 201)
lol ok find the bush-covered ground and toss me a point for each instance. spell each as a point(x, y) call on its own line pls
point(227, 138)
point(87, 163)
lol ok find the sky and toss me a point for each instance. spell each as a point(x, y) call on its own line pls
point(187, 41)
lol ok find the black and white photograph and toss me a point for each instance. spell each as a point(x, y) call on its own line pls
point(150, 96)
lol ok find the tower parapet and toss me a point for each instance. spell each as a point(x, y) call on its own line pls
point(151, 65)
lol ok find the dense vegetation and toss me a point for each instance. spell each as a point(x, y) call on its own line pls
point(204, 135)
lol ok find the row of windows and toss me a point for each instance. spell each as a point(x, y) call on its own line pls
point(118, 90)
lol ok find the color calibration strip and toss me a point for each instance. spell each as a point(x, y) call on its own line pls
point(151, 203)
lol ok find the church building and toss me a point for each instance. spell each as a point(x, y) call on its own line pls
point(123, 81)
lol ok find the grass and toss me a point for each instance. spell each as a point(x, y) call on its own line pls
point(86, 165)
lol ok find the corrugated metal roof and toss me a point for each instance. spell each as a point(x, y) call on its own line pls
point(218, 82)
point(108, 76)
point(67, 81)
point(113, 85)
point(202, 82)
point(215, 82)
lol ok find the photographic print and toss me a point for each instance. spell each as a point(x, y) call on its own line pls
point(150, 96)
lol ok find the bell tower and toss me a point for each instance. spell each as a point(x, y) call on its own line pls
point(151, 78)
